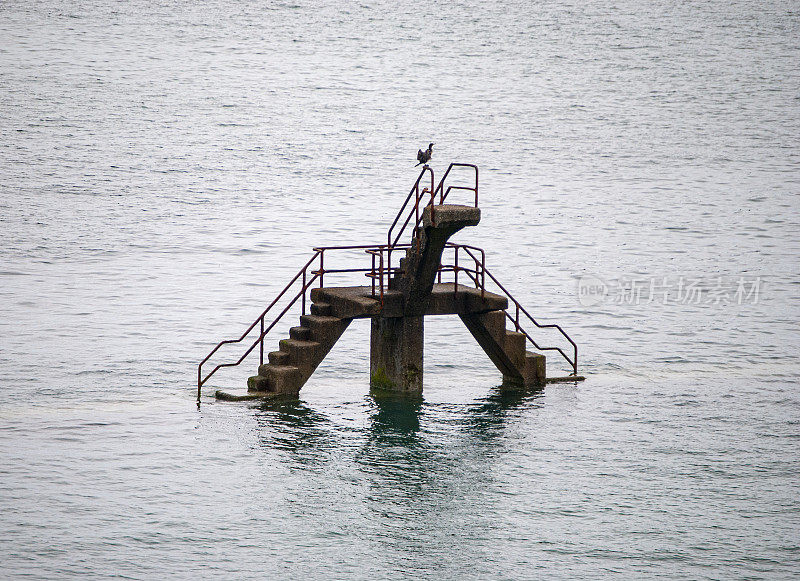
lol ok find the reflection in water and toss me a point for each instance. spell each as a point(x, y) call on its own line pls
point(308, 435)
point(395, 415)
point(397, 452)
point(430, 469)
point(410, 460)
point(404, 434)
point(488, 417)
point(406, 472)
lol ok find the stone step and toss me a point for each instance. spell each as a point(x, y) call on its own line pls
point(242, 395)
point(314, 321)
point(282, 378)
point(320, 308)
point(325, 330)
point(278, 358)
point(535, 369)
point(303, 354)
point(515, 348)
point(300, 333)
point(258, 383)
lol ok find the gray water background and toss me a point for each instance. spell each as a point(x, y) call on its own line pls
point(166, 167)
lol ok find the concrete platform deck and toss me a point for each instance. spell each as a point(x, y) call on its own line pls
point(356, 302)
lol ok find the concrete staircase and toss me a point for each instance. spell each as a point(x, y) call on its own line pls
point(419, 267)
point(290, 367)
point(506, 349)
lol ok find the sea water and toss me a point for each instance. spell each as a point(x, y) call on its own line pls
point(166, 169)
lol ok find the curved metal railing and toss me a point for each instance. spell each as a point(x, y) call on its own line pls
point(520, 309)
point(477, 275)
point(414, 190)
point(444, 193)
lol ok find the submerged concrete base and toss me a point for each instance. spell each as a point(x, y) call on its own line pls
point(396, 353)
point(566, 379)
point(243, 395)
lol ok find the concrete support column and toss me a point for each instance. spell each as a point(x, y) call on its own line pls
point(396, 351)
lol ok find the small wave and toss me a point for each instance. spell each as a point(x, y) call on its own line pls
point(248, 251)
point(193, 202)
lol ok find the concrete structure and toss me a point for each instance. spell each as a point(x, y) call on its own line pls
point(397, 334)
point(397, 302)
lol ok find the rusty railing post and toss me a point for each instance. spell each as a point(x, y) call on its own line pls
point(483, 275)
point(433, 208)
point(304, 295)
point(476, 185)
point(261, 342)
point(381, 275)
point(455, 268)
point(321, 268)
point(372, 274)
point(415, 231)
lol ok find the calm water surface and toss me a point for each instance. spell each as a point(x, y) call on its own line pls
point(166, 168)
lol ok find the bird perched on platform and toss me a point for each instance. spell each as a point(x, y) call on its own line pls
point(425, 156)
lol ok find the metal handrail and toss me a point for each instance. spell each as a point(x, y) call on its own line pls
point(433, 191)
point(259, 341)
point(391, 244)
point(414, 189)
point(444, 193)
point(478, 276)
point(318, 274)
point(373, 252)
point(200, 379)
point(440, 188)
point(520, 309)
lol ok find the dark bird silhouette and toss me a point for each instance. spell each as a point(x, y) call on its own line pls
point(425, 156)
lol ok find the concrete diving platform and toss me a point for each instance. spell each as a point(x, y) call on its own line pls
point(406, 287)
